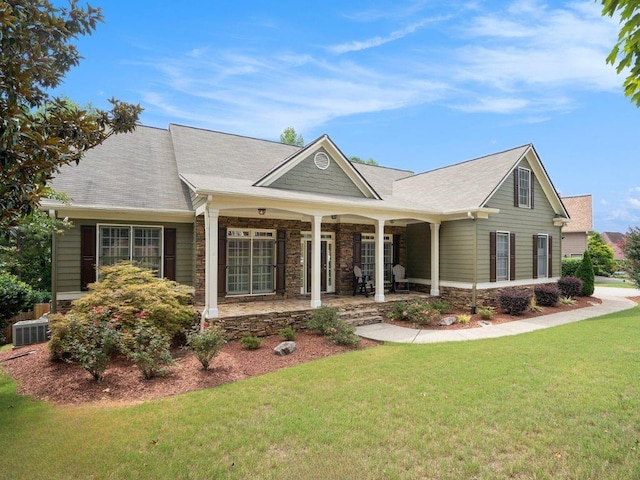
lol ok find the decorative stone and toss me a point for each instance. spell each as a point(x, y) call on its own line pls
point(446, 321)
point(285, 348)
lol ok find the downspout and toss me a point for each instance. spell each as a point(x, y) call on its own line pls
point(54, 267)
point(474, 284)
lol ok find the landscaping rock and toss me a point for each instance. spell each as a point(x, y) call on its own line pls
point(446, 321)
point(285, 348)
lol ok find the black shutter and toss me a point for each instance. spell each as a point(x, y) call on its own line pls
point(535, 256)
point(550, 250)
point(492, 256)
point(396, 249)
point(222, 260)
point(170, 253)
point(357, 250)
point(516, 186)
point(512, 256)
point(533, 182)
point(87, 255)
point(281, 260)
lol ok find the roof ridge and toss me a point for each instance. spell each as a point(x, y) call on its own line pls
point(382, 166)
point(231, 134)
point(576, 196)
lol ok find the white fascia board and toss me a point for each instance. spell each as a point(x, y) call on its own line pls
point(106, 212)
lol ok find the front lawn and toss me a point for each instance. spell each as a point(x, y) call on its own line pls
point(625, 284)
point(558, 403)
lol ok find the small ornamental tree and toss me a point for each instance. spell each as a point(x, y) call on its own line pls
point(585, 273)
point(631, 248)
point(206, 344)
point(601, 255)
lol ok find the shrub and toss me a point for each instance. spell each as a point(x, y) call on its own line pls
point(344, 334)
point(38, 296)
point(148, 347)
point(546, 295)
point(570, 286)
point(440, 306)
point(14, 297)
point(533, 305)
point(585, 273)
point(205, 344)
point(514, 301)
point(417, 311)
point(463, 319)
point(323, 319)
point(486, 312)
point(91, 343)
point(288, 333)
point(250, 342)
point(569, 266)
point(567, 301)
point(127, 290)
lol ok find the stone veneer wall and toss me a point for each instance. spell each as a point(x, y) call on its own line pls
point(343, 262)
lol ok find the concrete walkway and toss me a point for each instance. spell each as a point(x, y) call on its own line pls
point(613, 300)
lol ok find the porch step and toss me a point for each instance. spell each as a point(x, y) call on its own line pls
point(362, 316)
point(359, 321)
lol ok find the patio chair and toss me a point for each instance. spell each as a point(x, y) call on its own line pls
point(399, 278)
point(362, 284)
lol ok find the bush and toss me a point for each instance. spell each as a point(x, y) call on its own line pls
point(323, 319)
point(205, 344)
point(546, 295)
point(288, 333)
point(570, 286)
point(250, 342)
point(585, 273)
point(569, 266)
point(514, 302)
point(567, 301)
point(439, 305)
point(344, 334)
point(14, 297)
point(486, 312)
point(463, 319)
point(418, 311)
point(148, 347)
point(38, 296)
point(127, 291)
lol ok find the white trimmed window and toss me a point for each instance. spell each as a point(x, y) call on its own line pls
point(139, 244)
point(524, 187)
point(368, 256)
point(251, 260)
point(502, 256)
point(543, 255)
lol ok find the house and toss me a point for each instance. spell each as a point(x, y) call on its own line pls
point(242, 219)
point(615, 240)
point(575, 235)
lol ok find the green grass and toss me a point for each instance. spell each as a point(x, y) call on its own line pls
point(627, 284)
point(562, 403)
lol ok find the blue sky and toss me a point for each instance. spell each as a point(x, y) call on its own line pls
point(413, 84)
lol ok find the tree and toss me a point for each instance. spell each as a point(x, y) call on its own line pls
point(626, 51)
point(585, 273)
point(631, 248)
point(290, 137)
point(601, 255)
point(40, 133)
point(371, 161)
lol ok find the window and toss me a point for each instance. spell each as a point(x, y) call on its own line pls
point(543, 256)
point(139, 244)
point(502, 256)
point(250, 261)
point(368, 256)
point(524, 187)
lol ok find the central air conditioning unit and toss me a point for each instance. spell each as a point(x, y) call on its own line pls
point(28, 332)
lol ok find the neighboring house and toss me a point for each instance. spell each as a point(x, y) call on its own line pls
point(243, 219)
point(576, 233)
point(614, 240)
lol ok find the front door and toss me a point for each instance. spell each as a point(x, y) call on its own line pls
point(327, 252)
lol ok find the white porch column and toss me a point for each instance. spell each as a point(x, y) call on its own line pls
point(435, 259)
point(379, 297)
point(211, 263)
point(316, 228)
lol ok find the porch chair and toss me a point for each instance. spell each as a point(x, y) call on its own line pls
point(399, 278)
point(361, 283)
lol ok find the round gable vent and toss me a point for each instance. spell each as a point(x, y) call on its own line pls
point(321, 160)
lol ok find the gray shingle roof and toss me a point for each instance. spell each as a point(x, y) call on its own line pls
point(464, 185)
point(134, 170)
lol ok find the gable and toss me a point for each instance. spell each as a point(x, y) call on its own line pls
point(318, 172)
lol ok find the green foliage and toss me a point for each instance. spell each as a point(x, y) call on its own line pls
point(626, 51)
point(486, 312)
point(601, 255)
point(127, 291)
point(546, 295)
point(148, 347)
point(250, 342)
point(570, 286)
point(290, 137)
point(325, 319)
point(288, 333)
point(631, 248)
point(205, 344)
point(567, 301)
point(14, 296)
point(344, 334)
point(40, 133)
point(463, 318)
point(439, 305)
point(419, 311)
point(569, 266)
point(514, 302)
point(91, 343)
point(585, 273)
point(370, 161)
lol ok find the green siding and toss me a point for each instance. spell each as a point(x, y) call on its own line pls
point(418, 250)
point(68, 246)
point(456, 251)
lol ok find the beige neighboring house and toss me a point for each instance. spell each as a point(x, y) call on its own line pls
point(576, 233)
point(614, 240)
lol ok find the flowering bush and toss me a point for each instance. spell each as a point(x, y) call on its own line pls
point(148, 348)
point(514, 301)
point(419, 312)
point(325, 319)
point(205, 344)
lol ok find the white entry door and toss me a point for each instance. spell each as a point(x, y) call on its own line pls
point(327, 262)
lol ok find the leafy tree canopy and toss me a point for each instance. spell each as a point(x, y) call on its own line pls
point(631, 248)
point(290, 137)
point(371, 161)
point(38, 132)
point(626, 51)
point(601, 255)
